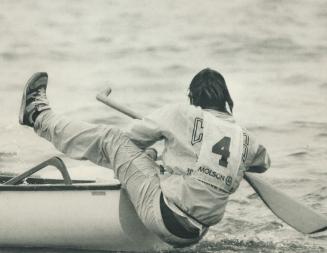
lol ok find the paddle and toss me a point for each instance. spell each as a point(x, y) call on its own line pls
point(300, 217)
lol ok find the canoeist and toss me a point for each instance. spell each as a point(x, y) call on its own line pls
point(206, 154)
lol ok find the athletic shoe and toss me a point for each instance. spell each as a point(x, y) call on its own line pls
point(34, 99)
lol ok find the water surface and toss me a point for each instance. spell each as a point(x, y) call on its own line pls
point(273, 55)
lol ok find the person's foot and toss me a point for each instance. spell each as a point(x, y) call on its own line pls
point(34, 99)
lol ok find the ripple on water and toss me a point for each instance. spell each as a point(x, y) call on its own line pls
point(318, 195)
point(323, 85)
point(7, 154)
point(205, 246)
point(298, 154)
point(296, 79)
point(251, 246)
point(310, 124)
point(322, 135)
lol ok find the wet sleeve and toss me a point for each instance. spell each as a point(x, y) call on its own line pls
point(256, 155)
point(261, 161)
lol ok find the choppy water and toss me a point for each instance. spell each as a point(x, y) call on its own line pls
point(273, 55)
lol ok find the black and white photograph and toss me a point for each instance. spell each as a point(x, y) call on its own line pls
point(166, 126)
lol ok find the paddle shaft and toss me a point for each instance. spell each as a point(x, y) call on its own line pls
point(103, 97)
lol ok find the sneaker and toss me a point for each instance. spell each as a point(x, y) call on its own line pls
point(34, 99)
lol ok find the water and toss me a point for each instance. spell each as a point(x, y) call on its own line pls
point(273, 55)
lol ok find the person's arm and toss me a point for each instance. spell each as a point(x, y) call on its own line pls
point(144, 133)
point(261, 161)
point(257, 158)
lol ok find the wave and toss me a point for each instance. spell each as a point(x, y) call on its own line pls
point(253, 196)
point(239, 201)
point(7, 154)
point(223, 246)
point(269, 129)
point(269, 226)
point(324, 134)
point(276, 45)
point(15, 55)
point(297, 79)
point(7, 56)
point(231, 44)
point(253, 246)
point(298, 154)
point(289, 127)
point(310, 124)
point(324, 85)
point(318, 195)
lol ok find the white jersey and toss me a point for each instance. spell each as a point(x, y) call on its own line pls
point(220, 154)
point(206, 153)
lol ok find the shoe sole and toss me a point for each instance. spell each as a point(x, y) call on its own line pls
point(34, 77)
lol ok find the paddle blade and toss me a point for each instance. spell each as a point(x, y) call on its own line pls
point(295, 214)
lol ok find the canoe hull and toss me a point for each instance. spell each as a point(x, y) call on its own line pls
point(72, 217)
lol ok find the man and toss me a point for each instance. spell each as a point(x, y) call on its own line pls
point(206, 153)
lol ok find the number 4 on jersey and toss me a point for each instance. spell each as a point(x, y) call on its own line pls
point(222, 148)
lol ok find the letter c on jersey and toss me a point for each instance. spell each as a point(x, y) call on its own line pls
point(197, 134)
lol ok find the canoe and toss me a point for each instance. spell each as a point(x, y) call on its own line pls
point(82, 215)
point(88, 216)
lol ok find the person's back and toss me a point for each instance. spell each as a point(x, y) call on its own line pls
point(205, 151)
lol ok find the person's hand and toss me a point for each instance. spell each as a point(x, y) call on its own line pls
point(151, 152)
point(256, 169)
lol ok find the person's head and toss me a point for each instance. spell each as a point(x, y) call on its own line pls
point(209, 91)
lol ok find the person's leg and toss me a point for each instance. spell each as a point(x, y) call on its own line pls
point(109, 147)
point(103, 145)
point(77, 139)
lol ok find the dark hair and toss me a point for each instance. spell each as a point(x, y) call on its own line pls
point(209, 91)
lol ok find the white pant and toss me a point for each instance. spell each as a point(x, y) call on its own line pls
point(110, 148)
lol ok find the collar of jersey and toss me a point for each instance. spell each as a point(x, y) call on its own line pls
point(223, 115)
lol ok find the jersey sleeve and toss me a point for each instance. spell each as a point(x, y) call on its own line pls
point(144, 133)
point(261, 161)
point(147, 131)
point(257, 158)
